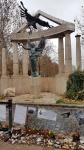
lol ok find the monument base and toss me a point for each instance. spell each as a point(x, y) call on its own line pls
point(35, 89)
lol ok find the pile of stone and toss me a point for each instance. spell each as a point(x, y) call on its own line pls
point(60, 140)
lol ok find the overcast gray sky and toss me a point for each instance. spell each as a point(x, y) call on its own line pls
point(64, 9)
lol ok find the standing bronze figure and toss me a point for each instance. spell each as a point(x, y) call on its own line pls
point(35, 53)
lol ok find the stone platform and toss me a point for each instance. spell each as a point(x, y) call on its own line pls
point(45, 98)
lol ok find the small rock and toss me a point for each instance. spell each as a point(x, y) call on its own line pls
point(65, 146)
point(6, 137)
point(39, 140)
point(50, 143)
point(66, 141)
point(24, 142)
point(19, 142)
point(81, 146)
point(82, 141)
point(57, 142)
point(13, 141)
point(22, 138)
point(57, 146)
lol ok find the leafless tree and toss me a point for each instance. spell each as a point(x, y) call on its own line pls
point(9, 20)
point(79, 24)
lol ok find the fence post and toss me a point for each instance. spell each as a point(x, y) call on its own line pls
point(10, 113)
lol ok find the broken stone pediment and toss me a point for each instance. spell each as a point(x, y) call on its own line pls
point(53, 32)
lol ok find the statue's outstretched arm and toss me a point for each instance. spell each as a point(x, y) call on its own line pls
point(26, 48)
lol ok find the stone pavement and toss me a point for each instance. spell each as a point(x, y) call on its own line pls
point(8, 146)
point(46, 98)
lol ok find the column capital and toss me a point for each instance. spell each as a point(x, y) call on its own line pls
point(67, 32)
point(60, 36)
point(77, 35)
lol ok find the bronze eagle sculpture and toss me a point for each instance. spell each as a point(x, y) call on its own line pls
point(32, 20)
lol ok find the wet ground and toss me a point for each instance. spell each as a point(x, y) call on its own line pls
point(8, 146)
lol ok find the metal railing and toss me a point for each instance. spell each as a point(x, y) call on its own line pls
point(9, 105)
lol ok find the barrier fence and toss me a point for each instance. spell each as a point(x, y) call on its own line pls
point(9, 105)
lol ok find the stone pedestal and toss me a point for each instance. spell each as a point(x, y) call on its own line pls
point(60, 83)
point(3, 84)
point(35, 89)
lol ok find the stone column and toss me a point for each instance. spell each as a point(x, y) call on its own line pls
point(3, 62)
point(61, 54)
point(68, 55)
point(15, 59)
point(78, 52)
point(25, 61)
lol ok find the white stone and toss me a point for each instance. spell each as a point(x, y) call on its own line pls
point(22, 138)
point(57, 142)
point(57, 146)
point(81, 146)
point(23, 142)
point(82, 141)
point(50, 143)
point(65, 140)
point(38, 140)
point(13, 141)
point(9, 92)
